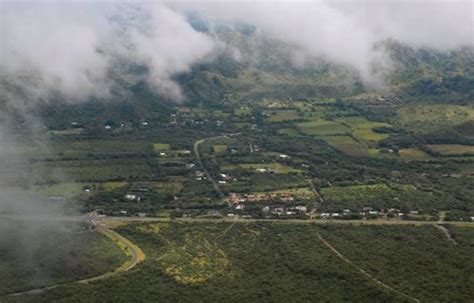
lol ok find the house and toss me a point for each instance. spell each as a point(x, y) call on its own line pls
point(325, 215)
point(266, 209)
point(335, 215)
point(222, 182)
point(261, 170)
point(239, 206)
point(108, 127)
point(131, 197)
point(301, 208)
point(283, 156)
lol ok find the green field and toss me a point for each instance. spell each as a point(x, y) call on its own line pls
point(161, 146)
point(452, 149)
point(281, 115)
point(270, 167)
point(322, 128)
point(347, 145)
point(413, 154)
point(92, 170)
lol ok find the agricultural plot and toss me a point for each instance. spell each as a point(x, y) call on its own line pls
point(413, 154)
point(220, 148)
point(363, 129)
point(347, 145)
point(452, 149)
point(322, 128)
point(85, 148)
point(258, 182)
point(158, 147)
point(382, 154)
point(276, 168)
point(281, 115)
point(92, 170)
point(65, 190)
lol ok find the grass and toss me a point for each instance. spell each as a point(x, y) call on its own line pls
point(292, 132)
point(62, 189)
point(369, 135)
point(65, 132)
point(413, 154)
point(113, 185)
point(275, 167)
point(347, 145)
point(452, 149)
point(161, 146)
point(220, 148)
point(377, 153)
point(92, 170)
point(282, 115)
point(84, 148)
point(363, 128)
point(322, 128)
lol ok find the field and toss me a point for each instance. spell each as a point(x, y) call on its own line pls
point(220, 148)
point(268, 167)
point(452, 149)
point(322, 128)
point(281, 115)
point(276, 262)
point(347, 145)
point(92, 170)
point(413, 154)
point(161, 146)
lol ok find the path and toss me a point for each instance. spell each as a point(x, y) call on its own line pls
point(446, 232)
point(201, 164)
point(363, 272)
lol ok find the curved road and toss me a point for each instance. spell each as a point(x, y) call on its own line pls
point(128, 247)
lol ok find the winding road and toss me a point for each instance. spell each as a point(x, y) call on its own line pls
point(128, 247)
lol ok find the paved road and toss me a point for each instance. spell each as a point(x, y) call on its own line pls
point(287, 221)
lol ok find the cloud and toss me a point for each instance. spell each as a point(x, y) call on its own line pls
point(346, 31)
point(68, 48)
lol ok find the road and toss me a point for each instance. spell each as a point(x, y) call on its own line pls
point(364, 272)
point(129, 248)
point(204, 169)
point(285, 221)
